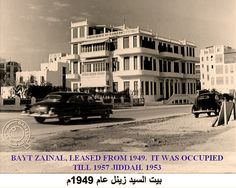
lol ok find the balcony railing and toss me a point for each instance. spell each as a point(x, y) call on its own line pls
point(113, 34)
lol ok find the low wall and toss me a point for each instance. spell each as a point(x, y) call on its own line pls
point(17, 104)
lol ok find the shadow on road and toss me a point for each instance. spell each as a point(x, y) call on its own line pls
point(89, 121)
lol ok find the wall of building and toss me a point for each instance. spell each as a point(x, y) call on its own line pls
point(218, 67)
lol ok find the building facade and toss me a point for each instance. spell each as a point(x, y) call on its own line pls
point(118, 58)
point(218, 68)
point(53, 72)
point(8, 70)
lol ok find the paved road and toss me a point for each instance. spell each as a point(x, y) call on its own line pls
point(118, 117)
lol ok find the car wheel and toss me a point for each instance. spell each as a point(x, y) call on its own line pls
point(196, 115)
point(40, 119)
point(209, 113)
point(106, 115)
point(64, 120)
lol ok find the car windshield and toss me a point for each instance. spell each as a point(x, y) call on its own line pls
point(53, 98)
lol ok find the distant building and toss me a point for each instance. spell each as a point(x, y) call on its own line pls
point(218, 68)
point(9, 70)
point(53, 72)
point(118, 58)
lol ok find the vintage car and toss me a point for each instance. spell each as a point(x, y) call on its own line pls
point(206, 103)
point(67, 105)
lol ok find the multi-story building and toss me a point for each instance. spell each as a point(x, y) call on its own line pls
point(53, 72)
point(218, 67)
point(9, 69)
point(118, 58)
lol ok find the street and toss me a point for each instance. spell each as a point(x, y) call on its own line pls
point(149, 128)
point(118, 117)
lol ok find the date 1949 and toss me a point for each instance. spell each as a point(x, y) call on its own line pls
point(80, 180)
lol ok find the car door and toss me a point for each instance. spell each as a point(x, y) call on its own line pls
point(73, 106)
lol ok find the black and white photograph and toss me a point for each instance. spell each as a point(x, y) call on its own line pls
point(118, 86)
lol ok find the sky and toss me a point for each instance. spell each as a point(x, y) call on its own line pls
point(31, 29)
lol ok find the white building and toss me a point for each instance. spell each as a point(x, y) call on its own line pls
point(117, 58)
point(53, 72)
point(218, 68)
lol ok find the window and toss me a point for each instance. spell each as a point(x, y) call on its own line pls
point(202, 58)
point(165, 67)
point(146, 42)
point(218, 58)
point(75, 48)
point(226, 69)
point(182, 51)
point(135, 88)
point(176, 67)
point(219, 80)
point(126, 63)
point(142, 88)
point(75, 32)
point(113, 45)
point(219, 69)
point(191, 68)
point(183, 68)
point(147, 88)
point(154, 65)
point(161, 88)
point(183, 88)
point(115, 64)
point(151, 92)
point(82, 32)
point(126, 42)
point(135, 63)
point(169, 66)
point(75, 67)
point(160, 65)
point(190, 51)
point(126, 85)
point(147, 63)
point(176, 49)
point(208, 77)
point(141, 62)
point(202, 76)
point(134, 41)
point(87, 68)
point(155, 88)
point(207, 68)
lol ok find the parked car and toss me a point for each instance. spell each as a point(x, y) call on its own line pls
point(67, 105)
point(206, 103)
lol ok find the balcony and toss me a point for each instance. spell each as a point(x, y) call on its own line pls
point(171, 75)
point(194, 59)
point(73, 57)
point(133, 73)
point(127, 51)
point(105, 35)
point(171, 55)
point(94, 79)
point(103, 53)
point(73, 77)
